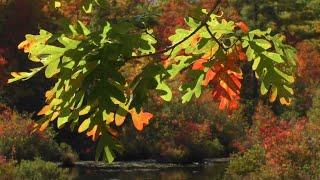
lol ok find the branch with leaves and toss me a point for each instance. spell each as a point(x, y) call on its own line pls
point(93, 96)
point(172, 47)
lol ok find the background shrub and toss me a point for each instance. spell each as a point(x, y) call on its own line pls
point(278, 149)
point(39, 170)
point(185, 132)
point(246, 163)
point(18, 140)
point(6, 168)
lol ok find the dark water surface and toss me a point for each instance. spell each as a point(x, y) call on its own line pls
point(210, 169)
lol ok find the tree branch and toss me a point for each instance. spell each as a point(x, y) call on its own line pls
point(215, 39)
point(202, 24)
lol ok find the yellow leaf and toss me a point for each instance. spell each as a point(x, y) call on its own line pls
point(274, 93)
point(49, 94)
point(284, 101)
point(56, 102)
point(57, 4)
point(54, 115)
point(84, 125)
point(85, 111)
point(44, 110)
point(119, 119)
point(15, 74)
point(108, 117)
point(121, 115)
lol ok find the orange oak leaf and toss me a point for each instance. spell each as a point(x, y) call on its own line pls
point(27, 44)
point(166, 63)
point(44, 126)
point(225, 77)
point(140, 119)
point(44, 110)
point(209, 76)
point(198, 65)
point(94, 132)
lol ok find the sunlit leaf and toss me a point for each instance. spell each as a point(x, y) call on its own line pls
point(140, 119)
point(84, 125)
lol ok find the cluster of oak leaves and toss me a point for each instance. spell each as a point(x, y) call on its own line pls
point(224, 76)
point(140, 119)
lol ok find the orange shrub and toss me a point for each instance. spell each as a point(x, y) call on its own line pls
point(308, 61)
point(290, 149)
point(18, 141)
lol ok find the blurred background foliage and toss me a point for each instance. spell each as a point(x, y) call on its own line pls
point(179, 133)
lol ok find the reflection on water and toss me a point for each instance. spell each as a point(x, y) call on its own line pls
point(195, 171)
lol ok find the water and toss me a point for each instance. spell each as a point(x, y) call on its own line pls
point(210, 169)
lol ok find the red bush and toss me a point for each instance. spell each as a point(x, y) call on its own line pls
point(191, 132)
point(173, 14)
point(286, 145)
point(308, 61)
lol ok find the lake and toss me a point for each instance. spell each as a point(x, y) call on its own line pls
point(149, 169)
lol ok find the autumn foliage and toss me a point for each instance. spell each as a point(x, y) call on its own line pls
point(308, 61)
point(225, 78)
point(221, 69)
point(288, 148)
point(175, 11)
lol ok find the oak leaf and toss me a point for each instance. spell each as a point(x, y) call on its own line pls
point(94, 132)
point(225, 78)
point(140, 119)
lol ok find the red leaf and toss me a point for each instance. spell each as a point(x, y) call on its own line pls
point(224, 78)
point(198, 65)
point(243, 26)
point(209, 76)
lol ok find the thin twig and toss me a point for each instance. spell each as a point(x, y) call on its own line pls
point(215, 39)
point(203, 23)
point(233, 44)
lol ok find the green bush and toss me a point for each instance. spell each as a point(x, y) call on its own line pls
point(39, 170)
point(248, 162)
point(232, 128)
point(314, 112)
point(68, 156)
point(211, 148)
